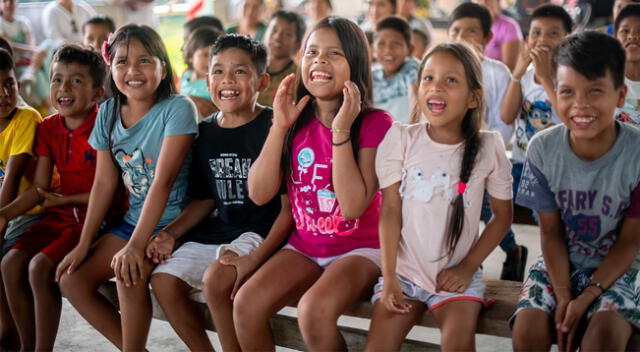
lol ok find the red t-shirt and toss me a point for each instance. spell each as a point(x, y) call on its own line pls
point(71, 154)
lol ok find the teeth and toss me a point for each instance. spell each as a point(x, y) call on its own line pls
point(583, 119)
point(322, 76)
point(135, 83)
point(436, 105)
point(229, 93)
point(65, 100)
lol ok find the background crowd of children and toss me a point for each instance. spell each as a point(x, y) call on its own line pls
point(322, 162)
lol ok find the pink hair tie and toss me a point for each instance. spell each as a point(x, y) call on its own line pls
point(105, 50)
point(462, 187)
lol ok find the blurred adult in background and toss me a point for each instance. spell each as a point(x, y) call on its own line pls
point(137, 11)
point(507, 35)
point(63, 20)
point(377, 10)
point(406, 10)
point(316, 10)
point(249, 20)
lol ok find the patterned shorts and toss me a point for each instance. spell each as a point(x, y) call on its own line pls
point(622, 297)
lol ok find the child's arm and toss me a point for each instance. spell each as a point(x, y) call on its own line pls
point(104, 186)
point(389, 226)
point(513, 96)
point(161, 246)
point(458, 277)
point(355, 183)
point(127, 263)
point(620, 257)
point(16, 165)
point(247, 264)
point(30, 197)
point(265, 174)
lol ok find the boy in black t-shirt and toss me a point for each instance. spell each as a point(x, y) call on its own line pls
point(222, 230)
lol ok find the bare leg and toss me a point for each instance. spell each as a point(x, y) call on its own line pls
point(533, 330)
point(81, 289)
point(388, 329)
point(135, 311)
point(218, 283)
point(15, 275)
point(181, 312)
point(281, 280)
point(9, 338)
point(344, 282)
point(458, 321)
point(48, 304)
point(607, 331)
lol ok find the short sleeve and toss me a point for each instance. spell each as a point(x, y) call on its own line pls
point(390, 156)
point(99, 138)
point(411, 66)
point(373, 129)
point(24, 133)
point(26, 26)
point(181, 117)
point(41, 146)
point(510, 31)
point(534, 191)
point(634, 206)
point(499, 181)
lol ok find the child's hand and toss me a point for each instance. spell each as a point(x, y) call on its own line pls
point(127, 264)
point(285, 109)
point(454, 279)
point(51, 200)
point(542, 61)
point(573, 317)
point(160, 247)
point(245, 266)
point(392, 297)
point(351, 106)
point(524, 59)
point(71, 261)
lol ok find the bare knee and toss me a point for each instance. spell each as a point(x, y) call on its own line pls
point(462, 339)
point(40, 271)
point(606, 331)
point(217, 282)
point(316, 313)
point(529, 334)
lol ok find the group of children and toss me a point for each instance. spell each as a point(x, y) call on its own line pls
point(323, 199)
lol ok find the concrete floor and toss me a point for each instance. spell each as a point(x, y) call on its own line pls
point(76, 335)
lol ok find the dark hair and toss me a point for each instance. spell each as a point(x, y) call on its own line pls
point(202, 21)
point(604, 54)
point(294, 18)
point(200, 38)
point(77, 54)
point(153, 44)
point(470, 129)
point(471, 10)
point(425, 36)
point(356, 51)
point(100, 21)
point(6, 60)
point(553, 11)
point(256, 50)
point(631, 10)
point(397, 24)
point(4, 44)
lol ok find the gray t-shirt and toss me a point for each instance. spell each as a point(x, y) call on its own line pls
point(593, 197)
point(136, 150)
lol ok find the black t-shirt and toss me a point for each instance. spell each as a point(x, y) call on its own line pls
point(219, 170)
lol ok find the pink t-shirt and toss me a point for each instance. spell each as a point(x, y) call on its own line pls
point(429, 173)
point(321, 231)
point(505, 29)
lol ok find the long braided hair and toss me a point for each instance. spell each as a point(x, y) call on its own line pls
point(470, 130)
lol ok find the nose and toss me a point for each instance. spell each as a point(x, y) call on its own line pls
point(320, 59)
point(228, 77)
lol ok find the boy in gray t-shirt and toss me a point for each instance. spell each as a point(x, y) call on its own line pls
point(583, 178)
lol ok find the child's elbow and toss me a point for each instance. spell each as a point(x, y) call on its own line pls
point(257, 197)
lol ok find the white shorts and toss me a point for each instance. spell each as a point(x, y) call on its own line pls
point(190, 260)
point(373, 254)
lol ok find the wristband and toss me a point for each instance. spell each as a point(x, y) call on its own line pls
point(341, 143)
point(596, 284)
point(513, 79)
point(337, 130)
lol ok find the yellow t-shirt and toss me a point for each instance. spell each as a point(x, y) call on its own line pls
point(18, 138)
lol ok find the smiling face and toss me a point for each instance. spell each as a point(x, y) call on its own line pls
point(8, 92)
point(546, 32)
point(73, 93)
point(136, 73)
point(281, 39)
point(95, 35)
point(469, 30)
point(587, 107)
point(324, 66)
point(251, 11)
point(234, 83)
point(377, 10)
point(390, 50)
point(629, 35)
point(444, 94)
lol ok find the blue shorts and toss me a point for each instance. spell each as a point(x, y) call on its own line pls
point(124, 230)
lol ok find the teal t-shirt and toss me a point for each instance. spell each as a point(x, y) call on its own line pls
point(262, 28)
point(196, 88)
point(136, 150)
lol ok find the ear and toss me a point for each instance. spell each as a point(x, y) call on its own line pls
point(99, 94)
point(622, 94)
point(475, 99)
point(263, 82)
point(488, 38)
point(411, 47)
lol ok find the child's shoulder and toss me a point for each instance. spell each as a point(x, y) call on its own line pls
point(377, 119)
point(27, 114)
point(552, 137)
point(490, 65)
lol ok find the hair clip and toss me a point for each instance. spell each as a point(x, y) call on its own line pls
point(105, 49)
point(462, 187)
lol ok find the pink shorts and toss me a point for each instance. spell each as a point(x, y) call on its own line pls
point(373, 254)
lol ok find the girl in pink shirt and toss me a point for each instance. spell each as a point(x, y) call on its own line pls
point(433, 176)
point(322, 145)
